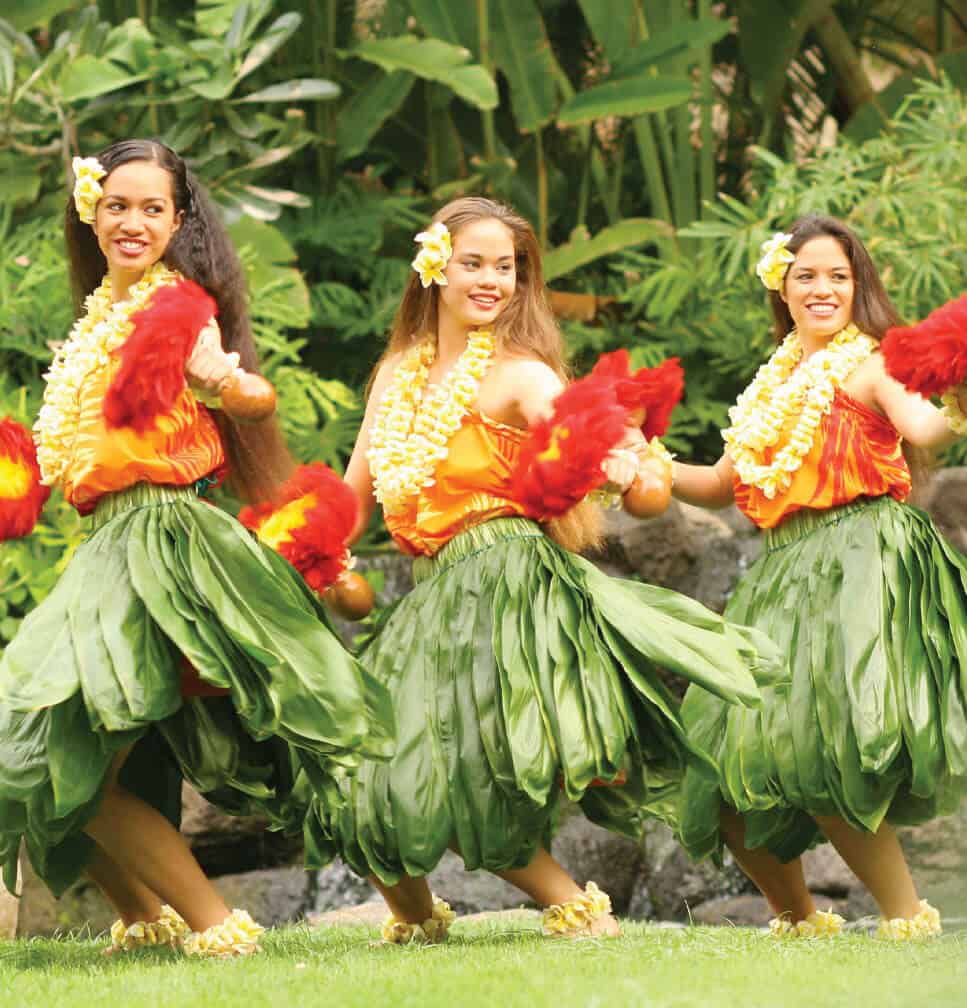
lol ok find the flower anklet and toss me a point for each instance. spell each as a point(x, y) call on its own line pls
point(432, 931)
point(924, 924)
point(237, 935)
point(575, 917)
point(819, 924)
point(169, 929)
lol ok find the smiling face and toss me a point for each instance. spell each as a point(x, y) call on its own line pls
point(819, 288)
point(135, 219)
point(481, 275)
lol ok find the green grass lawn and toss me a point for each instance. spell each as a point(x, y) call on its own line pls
point(505, 965)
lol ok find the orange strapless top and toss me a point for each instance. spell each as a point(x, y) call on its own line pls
point(856, 453)
point(471, 485)
point(183, 447)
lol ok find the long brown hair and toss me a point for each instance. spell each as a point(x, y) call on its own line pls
point(873, 311)
point(200, 250)
point(525, 328)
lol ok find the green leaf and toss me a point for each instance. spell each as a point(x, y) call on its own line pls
point(523, 53)
point(130, 43)
point(434, 60)
point(216, 87)
point(630, 96)
point(272, 246)
point(455, 23)
point(581, 251)
point(307, 89)
point(7, 70)
point(687, 37)
point(612, 25)
point(87, 77)
point(36, 13)
point(769, 37)
point(275, 36)
point(474, 85)
point(362, 116)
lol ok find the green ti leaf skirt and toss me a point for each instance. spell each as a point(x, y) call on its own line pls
point(519, 672)
point(869, 603)
point(96, 668)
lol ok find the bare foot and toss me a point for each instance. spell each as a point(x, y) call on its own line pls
point(605, 926)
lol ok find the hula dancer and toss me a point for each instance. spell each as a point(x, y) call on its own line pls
point(860, 591)
point(518, 670)
point(174, 643)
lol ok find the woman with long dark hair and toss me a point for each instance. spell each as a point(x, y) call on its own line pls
point(174, 644)
point(859, 589)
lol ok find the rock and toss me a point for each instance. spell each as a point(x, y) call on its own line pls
point(826, 872)
point(697, 552)
point(751, 910)
point(670, 883)
point(472, 892)
point(371, 914)
point(945, 497)
point(81, 908)
point(937, 855)
point(272, 896)
point(230, 845)
point(9, 912)
point(336, 886)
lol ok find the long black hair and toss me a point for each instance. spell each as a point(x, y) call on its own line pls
point(200, 250)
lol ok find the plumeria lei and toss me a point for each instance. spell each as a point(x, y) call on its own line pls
point(434, 254)
point(87, 186)
point(413, 426)
point(785, 389)
point(103, 327)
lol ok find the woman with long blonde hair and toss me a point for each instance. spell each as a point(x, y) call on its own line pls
point(518, 670)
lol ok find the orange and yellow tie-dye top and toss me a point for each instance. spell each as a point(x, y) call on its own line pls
point(180, 449)
point(471, 485)
point(856, 453)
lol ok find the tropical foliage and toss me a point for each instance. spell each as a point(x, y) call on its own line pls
point(653, 144)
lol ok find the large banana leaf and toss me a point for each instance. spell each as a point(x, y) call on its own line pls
point(434, 60)
point(523, 53)
point(687, 38)
point(629, 96)
point(769, 38)
point(369, 108)
point(627, 234)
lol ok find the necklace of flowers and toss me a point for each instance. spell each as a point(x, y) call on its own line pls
point(786, 387)
point(103, 327)
point(413, 427)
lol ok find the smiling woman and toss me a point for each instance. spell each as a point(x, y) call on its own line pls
point(860, 591)
point(174, 645)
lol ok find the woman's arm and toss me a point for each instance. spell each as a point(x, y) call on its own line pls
point(357, 474)
point(702, 485)
point(915, 418)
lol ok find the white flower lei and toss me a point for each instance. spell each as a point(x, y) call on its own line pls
point(412, 428)
point(784, 388)
point(103, 327)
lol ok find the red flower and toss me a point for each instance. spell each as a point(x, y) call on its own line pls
point(657, 390)
point(22, 495)
point(308, 523)
point(560, 462)
point(152, 372)
point(931, 356)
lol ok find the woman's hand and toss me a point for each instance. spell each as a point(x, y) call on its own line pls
point(209, 367)
point(620, 468)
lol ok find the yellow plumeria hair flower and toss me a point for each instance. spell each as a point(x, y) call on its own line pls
point(434, 254)
point(776, 257)
point(87, 187)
